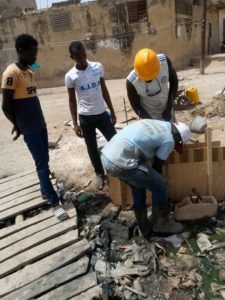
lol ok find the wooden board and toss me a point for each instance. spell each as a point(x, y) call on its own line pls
point(48, 282)
point(31, 230)
point(196, 155)
point(92, 293)
point(13, 211)
point(121, 193)
point(38, 252)
point(46, 265)
point(183, 177)
point(20, 200)
point(201, 145)
point(72, 288)
point(18, 175)
point(21, 193)
point(4, 232)
point(17, 182)
point(22, 186)
point(36, 239)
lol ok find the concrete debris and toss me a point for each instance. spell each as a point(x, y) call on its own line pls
point(174, 240)
point(203, 242)
point(218, 289)
point(187, 209)
point(165, 268)
point(93, 220)
point(139, 293)
point(135, 270)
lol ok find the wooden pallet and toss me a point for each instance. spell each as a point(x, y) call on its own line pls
point(19, 194)
point(40, 256)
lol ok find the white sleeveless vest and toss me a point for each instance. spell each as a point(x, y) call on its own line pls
point(154, 94)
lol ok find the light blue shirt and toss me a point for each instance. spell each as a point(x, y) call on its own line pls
point(140, 141)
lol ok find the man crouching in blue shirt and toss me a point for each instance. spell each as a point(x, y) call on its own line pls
point(125, 157)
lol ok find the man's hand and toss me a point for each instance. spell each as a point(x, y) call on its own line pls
point(78, 131)
point(113, 117)
point(17, 131)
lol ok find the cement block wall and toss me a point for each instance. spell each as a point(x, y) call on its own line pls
point(108, 36)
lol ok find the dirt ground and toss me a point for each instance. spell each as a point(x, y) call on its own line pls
point(69, 160)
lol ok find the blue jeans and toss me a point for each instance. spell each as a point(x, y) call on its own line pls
point(88, 126)
point(37, 143)
point(140, 179)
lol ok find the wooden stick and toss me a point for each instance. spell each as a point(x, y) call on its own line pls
point(135, 291)
point(209, 159)
point(124, 103)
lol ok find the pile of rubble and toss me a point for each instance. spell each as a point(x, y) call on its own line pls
point(185, 266)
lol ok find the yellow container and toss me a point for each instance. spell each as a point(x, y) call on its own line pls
point(192, 93)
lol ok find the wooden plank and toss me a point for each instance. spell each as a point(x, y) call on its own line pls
point(201, 145)
point(31, 230)
point(21, 193)
point(37, 238)
point(4, 232)
point(38, 252)
point(17, 182)
point(44, 266)
point(115, 189)
point(72, 288)
point(183, 177)
point(18, 175)
point(48, 282)
point(13, 211)
point(22, 186)
point(209, 160)
point(218, 176)
point(92, 293)
point(20, 200)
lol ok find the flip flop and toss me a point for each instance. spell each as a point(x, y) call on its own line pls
point(99, 182)
point(60, 213)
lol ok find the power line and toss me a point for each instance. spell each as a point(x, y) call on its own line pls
point(118, 36)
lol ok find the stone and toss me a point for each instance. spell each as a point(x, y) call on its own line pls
point(186, 210)
point(222, 275)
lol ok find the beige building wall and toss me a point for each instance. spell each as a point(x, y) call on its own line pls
point(107, 34)
point(14, 7)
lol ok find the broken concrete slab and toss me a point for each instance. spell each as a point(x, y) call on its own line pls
point(187, 210)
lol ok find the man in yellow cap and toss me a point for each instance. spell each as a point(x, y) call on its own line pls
point(152, 86)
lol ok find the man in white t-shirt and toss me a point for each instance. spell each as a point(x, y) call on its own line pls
point(152, 86)
point(125, 157)
point(87, 93)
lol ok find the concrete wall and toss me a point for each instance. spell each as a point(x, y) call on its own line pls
point(104, 28)
point(14, 7)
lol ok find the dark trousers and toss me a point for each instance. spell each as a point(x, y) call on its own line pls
point(88, 125)
point(37, 143)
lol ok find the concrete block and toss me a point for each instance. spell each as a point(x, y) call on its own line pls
point(118, 230)
point(187, 210)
